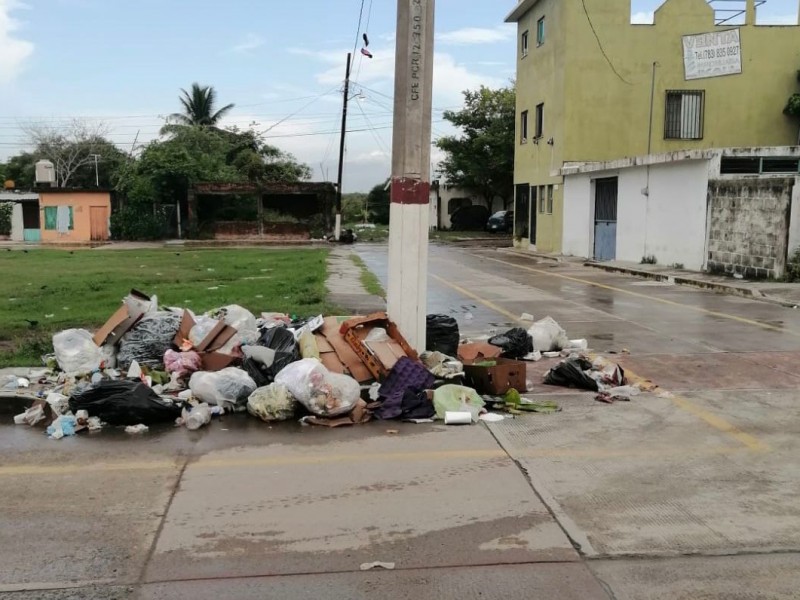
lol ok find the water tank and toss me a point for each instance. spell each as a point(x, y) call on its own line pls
point(45, 172)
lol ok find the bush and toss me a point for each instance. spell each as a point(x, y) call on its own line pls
point(137, 223)
point(649, 260)
point(5, 218)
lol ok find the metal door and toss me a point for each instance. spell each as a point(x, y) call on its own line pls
point(534, 214)
point(605, 219)
point(98, 222)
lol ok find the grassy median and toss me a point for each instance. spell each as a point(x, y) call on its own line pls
point(44, 291)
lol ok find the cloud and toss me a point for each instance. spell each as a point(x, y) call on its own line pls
point(477, 35)
point(13, 51)
point(643, 18)
point(249, 42)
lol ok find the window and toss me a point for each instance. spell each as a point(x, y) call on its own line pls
point(684, 115)
point(58, 218)
point(524, 44)
point(542, 198)
point(539, 121)
point(549, 199)
point(540, 32)
point(523, 127)
point(753, 165)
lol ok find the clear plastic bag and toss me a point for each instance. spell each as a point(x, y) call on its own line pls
point(149, 339)
point(240, 319)
point(228, 388)
point(272, 403)
point(76, 351)
point(548, 335)
point(323, 393)
point(182, 363)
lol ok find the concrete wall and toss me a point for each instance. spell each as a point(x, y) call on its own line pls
point(749, 225)
point(794, 219)
point(80, 203)
point(669, 224)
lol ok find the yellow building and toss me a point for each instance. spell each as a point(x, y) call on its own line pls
point(591, 86)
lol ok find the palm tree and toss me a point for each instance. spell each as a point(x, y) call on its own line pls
point(198, 107)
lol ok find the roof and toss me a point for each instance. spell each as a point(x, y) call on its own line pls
point(18, 196)
point(522, 7)
point(57, 190)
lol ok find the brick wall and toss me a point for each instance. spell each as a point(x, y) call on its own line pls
point(749, 226)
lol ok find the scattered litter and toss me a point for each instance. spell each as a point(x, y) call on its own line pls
point(377, 565)
point(551, 354)
point(228, 388)
point(323, 393)
point(196, 417)
point(492, 417)
point(458, 418)
point(137, 429)
point(125, 403)
point(514, 343)
point(272, 403)
point(441, 334)
point(547, 336)
point(526, 317)
point(62, 426)
point(392, 431)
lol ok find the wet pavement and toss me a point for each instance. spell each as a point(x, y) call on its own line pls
point(688, 492)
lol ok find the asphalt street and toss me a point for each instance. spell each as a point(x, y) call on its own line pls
point(686, 492)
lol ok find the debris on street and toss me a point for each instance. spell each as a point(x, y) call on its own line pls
point(150, 365)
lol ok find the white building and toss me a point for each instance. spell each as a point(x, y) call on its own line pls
point(24, 215)
point(724, 210)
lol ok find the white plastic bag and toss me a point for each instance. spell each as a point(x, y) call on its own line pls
point(241, 319)
point(548, 335)
point(76, 351)
point(228, 388)
point(323, 393)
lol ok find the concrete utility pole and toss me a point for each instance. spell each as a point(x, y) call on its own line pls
point(337, 232)
point(411, 158)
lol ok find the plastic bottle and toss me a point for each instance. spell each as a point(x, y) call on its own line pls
point(199, 416)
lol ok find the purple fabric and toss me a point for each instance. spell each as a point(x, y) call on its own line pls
point(405, 375)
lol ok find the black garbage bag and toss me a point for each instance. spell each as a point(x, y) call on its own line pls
point(441, 334)
point(417, 405)
point(572, 373)
point(124, 402)
point(149, 339)
point(287, 351)
point(515, 343)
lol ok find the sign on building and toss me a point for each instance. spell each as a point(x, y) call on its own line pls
point(712, 54)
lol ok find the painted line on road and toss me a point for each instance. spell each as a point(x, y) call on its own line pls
point(582, 454)
point(604, 286)
point(709, 418)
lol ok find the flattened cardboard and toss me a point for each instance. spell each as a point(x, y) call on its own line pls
point(477, 351)
point(122, 320)
point(348, 360)
point(328, 356)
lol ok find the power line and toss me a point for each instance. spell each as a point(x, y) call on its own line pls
point(600, 44)
point(366, 30)
point(358, 29)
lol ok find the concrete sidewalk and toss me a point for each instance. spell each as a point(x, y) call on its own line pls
point(776, 292)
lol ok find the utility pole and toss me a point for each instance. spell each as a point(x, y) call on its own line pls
point(338, 227)
point(96, 170)
point(411, 158)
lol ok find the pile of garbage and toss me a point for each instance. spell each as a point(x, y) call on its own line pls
point(150, 364)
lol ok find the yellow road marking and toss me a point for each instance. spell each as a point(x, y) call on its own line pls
point(477, 298)
point(604, 286)
point(326, 459)
point(709, 418)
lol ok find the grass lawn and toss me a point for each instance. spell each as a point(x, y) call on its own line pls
point(59, 289)
point(368, 279)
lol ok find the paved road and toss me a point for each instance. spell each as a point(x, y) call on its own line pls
point(686, 493)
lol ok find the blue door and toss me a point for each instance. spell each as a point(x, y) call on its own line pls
point(605, 219)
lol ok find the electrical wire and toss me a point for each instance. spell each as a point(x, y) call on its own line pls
point(366, 30)
point(358, 29)
point(383, 147)
point(600, 45)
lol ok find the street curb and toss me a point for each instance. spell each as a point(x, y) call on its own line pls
point(527, 254)
point(723, 288)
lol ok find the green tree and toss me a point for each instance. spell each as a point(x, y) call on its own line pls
point(21, 170)
point(481, 158)
point(199, 108)
point(354, 207)
point(793, 106)
point(378, 201)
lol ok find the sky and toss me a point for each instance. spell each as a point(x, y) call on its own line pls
point(123, 62)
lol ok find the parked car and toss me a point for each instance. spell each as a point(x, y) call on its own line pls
point(501, 221)
point(469, 218)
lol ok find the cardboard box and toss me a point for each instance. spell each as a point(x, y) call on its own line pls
point(498, 379)
point(379, 357)
point(133, 308)
point(207, 348)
